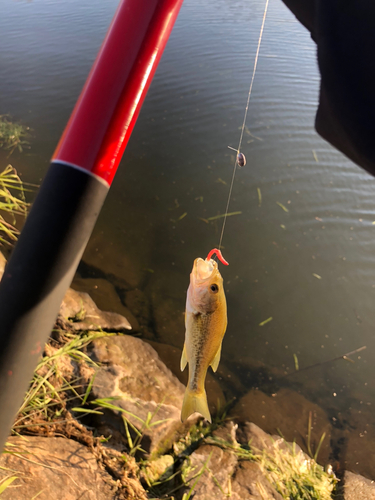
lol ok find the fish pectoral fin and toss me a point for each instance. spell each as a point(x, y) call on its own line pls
point(195, 402)
point(216, 360)
point(183, 362)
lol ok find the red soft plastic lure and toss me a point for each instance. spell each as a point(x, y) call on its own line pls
point(219, 256)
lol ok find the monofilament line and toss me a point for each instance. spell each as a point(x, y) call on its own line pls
point(244, 120)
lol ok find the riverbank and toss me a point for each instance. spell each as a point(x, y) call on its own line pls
point(102, 420)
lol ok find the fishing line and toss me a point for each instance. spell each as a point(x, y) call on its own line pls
point(244, 121)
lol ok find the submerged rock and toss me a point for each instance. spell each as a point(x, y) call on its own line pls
point(83, 314)
point(168, 316)
point(142, 386)
point(287, 412)
point(353, 440)
point(107, 258)
point(104, 294)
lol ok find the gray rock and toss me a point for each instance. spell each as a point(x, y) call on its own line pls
point(56, 468)
point(227, 432)
point(215, 482)
point(258, 440)
point(249, 482)
point(357, 487)
point(83, 314)
point(141, 385)
point(288, 412)
point(226, 476)
point(104, 294)
point(252, 435)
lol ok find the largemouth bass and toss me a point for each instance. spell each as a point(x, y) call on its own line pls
point(205, 322)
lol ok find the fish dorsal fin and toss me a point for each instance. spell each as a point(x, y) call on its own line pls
point(183, 362)
point(216, 360)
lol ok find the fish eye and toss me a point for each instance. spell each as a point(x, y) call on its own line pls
point(214, 288)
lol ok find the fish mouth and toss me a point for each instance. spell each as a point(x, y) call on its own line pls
point(204, 269)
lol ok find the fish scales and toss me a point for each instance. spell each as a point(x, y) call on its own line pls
point(199, 348)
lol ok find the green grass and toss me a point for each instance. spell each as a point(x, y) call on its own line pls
point(12, 135)
point(54, 384)
point(12, 204)
point(295, 476)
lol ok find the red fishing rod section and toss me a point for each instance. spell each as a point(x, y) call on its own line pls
point(106, 112)
point(63, 215)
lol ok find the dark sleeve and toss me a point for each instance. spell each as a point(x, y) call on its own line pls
point(344, 32)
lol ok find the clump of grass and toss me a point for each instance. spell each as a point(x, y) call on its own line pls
point(12, 135)
point(296, 476)
point(12, 203)
point(134, 433)
point(56, 384)
point(288, 469)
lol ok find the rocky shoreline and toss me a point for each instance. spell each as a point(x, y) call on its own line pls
point(115, 430)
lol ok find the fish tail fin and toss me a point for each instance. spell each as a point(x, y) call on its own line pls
point(195, 402)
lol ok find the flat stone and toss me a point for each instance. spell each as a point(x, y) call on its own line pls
point(83, 314)
point(287, 412)
point(56, 468)
point(104, 294)
point(357, 487)
point(141, 384)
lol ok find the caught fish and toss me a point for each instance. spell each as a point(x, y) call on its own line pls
point(205, 322)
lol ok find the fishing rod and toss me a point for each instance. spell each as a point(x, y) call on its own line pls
point(55, 234)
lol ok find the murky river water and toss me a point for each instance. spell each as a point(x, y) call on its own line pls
point(311, 268)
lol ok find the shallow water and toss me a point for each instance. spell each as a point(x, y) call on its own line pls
point(311, 269)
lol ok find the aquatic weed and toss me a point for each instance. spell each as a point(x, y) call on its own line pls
point(12, 134)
